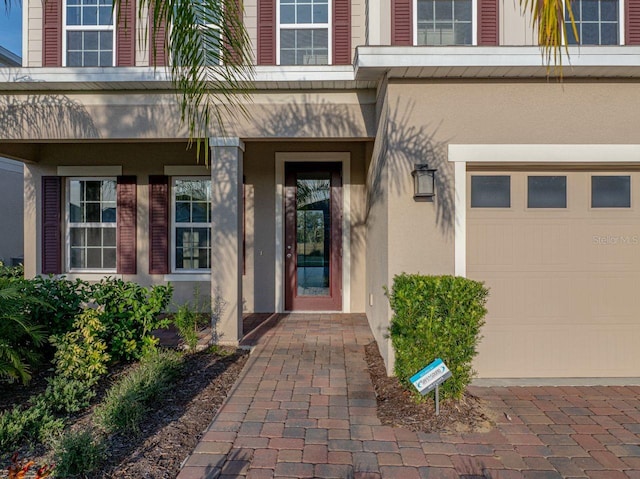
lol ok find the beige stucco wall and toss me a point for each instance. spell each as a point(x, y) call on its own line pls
point(126, 115)
point(11, 211)
point(425, 117)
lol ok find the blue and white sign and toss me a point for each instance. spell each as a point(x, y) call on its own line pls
point(433, 375)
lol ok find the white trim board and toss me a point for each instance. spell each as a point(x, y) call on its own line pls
point(532, 153)
point(345, 158)
point(460, 155)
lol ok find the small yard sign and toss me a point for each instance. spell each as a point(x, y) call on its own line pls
point(431, 377)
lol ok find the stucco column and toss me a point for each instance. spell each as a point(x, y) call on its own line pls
point(226, 239)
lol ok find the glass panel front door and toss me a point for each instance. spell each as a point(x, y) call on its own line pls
point(313, 215)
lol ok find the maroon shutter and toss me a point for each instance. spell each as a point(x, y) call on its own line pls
point(632, 22)
point(234, 8)
point(158, 224)
point(401, 22)
point(158, 52)
point(126, 226)
point(487, 22)
point(125, 34)
point(51, 224)
point(52, 33)
point(341, 32)
point(266, 32)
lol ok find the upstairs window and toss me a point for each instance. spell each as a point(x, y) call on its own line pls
point(444, 22)
point(89, 33)
point(303, 32)
point(597, 22)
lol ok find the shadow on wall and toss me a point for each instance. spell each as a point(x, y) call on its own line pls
point(37, 117)
point(403, 145)
point(311, 119)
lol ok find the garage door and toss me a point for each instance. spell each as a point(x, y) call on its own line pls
point(560, 251)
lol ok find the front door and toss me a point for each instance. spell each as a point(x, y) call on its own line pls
point(313, 237)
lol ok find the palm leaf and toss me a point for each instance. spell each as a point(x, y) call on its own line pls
point(549, 20)
point(210, 60)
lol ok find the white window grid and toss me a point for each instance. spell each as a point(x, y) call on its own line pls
point(306, 26)
point(621, 23)
point(474, 22)
point(70, 225)
point(87, 28)
point(175, 225)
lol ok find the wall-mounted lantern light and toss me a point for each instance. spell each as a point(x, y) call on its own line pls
point(424, 181)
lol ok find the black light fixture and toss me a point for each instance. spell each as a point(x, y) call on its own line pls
point(424, 181)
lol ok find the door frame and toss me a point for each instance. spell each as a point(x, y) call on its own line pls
point(315, 157)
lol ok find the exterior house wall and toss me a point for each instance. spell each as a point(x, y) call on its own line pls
point(422, 123)
point(12, 198)
point(125, 116)
point(33, 49)
point(515, 26)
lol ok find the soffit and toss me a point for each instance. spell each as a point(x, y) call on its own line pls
point(475, 62)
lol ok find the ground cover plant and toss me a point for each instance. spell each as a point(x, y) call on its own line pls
point(436, 317)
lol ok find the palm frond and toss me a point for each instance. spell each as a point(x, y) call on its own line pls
point(209, 57)
point(549, 20)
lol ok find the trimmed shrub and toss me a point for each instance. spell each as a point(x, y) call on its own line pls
point(78, 453)
point(436, 317)
point(67, 396)
point(128, 400)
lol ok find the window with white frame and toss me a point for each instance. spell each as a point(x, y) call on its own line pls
point(91, 232)
point(597, 22)
point(191, 224)
point(444, 22)
point(89, 33)
point(208, 17)
point(303, 32)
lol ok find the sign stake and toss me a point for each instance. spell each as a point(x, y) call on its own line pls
point(437, 400)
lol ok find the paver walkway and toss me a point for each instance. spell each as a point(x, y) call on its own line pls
point(305, 407)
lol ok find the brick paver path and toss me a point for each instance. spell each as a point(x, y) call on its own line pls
point(305, 407)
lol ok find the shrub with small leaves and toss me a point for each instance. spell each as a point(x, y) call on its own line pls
point(67, 396)
point(81, 353)
point(436, 317)
point(78, 453)
point(19, 426)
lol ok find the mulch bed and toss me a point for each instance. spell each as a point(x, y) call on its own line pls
point(172, 430)
point(397, 407)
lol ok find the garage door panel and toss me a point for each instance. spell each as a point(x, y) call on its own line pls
point(559, 351)
point(564, 284)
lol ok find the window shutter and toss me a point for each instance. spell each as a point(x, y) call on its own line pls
point(401, 22)
point(234, 9)
point(126, 225)
point(632, 22)
point(125, 34)
point(158, 52)
point(341, 32)
point(266, 32)
point(158, 224)
point(51, 224)
point(52, 33)
point(487, 22)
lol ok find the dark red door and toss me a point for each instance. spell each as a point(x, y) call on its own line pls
point(313, 237)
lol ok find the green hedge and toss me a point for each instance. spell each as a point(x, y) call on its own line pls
point(436, 317)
